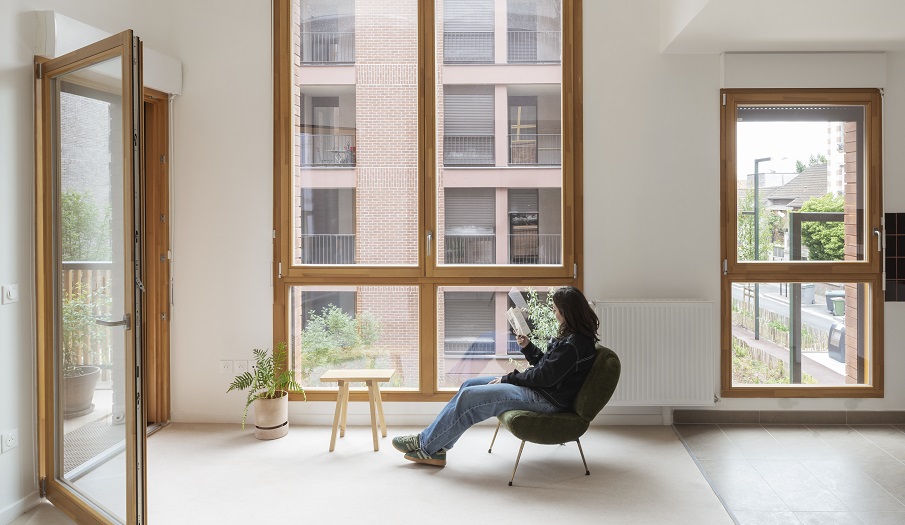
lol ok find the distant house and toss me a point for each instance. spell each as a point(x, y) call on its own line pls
point(812, 182)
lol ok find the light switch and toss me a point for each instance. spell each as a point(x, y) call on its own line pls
point(10, 293)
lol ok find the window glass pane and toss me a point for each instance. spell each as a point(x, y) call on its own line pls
point(474, 337)
point(355, 133)
point(354, 327)
point(499, 145)
point(801, 175)
point(799, 333)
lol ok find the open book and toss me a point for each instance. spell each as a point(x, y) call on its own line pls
point(517, 321)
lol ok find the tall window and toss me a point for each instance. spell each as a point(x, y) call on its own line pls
point(801, 297)
point(419, 183)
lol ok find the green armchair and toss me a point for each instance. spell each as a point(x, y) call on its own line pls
point(563, 427)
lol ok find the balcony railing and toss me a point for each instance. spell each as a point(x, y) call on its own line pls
point(469, 346)
point(535, 46)
point(327, 150)
point(470, 249)
point(328, 48)
point(328, 249)
point(468, 47)
point(533, 248)
point(530, 149)
point(468, 150)
point(524, 248)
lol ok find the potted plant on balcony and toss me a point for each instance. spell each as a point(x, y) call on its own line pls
point(268, 386)
point(79, 339)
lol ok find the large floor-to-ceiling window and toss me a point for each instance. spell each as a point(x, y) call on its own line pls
point(427, 163)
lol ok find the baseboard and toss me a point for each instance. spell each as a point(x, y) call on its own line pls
point(18, 508)
point(790, 417)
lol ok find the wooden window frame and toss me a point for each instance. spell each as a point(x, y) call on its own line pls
point(426, 275)
point(867, 271)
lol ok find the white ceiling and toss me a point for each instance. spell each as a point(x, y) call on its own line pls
point(717, 26)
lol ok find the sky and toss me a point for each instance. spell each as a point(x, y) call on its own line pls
point(784, 142)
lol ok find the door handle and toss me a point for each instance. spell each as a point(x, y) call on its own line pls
point(125, 322)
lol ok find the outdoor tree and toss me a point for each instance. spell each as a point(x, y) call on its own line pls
point(769, 224)
point(815, 159)
point(825, 240)
point(85, 232)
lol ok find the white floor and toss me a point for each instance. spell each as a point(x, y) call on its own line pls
point(207, 473)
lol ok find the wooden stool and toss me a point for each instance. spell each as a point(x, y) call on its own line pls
point(369, 377)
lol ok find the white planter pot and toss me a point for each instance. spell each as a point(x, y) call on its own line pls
point(272, 417)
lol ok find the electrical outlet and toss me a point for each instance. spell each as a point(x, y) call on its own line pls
point(240, 366)
point(9, 440)
point(226, 366)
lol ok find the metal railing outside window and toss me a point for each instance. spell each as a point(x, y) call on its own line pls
point(534, 248)
point(328, 48)
point(535, 46)
point(469, 347)
point(327, 150)
point(468, 47)
point(328, 248)
point(531, 149)
point(470, 249)
point(468, 150)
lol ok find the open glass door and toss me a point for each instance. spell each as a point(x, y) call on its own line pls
point(89, 253)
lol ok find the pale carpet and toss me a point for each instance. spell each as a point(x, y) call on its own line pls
point(210, 473)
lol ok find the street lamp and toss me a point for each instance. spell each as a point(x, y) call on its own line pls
point(757, 242)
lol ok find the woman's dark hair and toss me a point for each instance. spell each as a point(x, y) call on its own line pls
point(578, 316)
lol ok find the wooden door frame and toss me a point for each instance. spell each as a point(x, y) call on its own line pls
point(156, 190)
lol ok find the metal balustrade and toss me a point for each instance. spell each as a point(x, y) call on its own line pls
point(535, 46)
point(534, 248)
point(524, 248)
point(327, 150)
point(328, 47)
point(327, 248)
point(470, 249)
point(468, 150)
point(468, 47)
point(532, 149)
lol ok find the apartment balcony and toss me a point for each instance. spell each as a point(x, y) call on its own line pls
point(327, 248)
point(327, 150)
point(468, 150)
point(468, 47)
point(529, 149)
point(470, 249)
point(534, 47)
point(534, 248)
point(328, 48)
point(469, 346)
point(524, 248)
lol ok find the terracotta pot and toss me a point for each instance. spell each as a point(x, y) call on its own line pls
point(78, 391)
point(272, 416)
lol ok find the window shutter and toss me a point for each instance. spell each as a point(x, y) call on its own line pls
point(468, 114)
point(470, 210)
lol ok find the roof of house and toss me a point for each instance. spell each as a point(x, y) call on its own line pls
point(809, 183)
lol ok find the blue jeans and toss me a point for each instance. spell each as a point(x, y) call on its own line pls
point(474, 402)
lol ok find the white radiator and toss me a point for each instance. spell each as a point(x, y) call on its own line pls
point(667, 350)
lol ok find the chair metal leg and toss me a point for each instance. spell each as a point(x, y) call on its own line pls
point(494, 436)
point(586, 471)
point(516, 461)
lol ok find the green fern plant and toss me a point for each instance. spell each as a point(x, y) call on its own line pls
point(264, 381)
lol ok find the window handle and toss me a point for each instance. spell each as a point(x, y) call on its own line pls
point(430, 238)
point(879, 239)
point(104, 322)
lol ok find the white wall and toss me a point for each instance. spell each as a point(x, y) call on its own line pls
point(651, 196)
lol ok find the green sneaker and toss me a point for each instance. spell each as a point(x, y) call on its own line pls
point(406, 444)
point(438, 459)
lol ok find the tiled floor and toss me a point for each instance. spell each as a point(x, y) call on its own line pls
point(803, 474)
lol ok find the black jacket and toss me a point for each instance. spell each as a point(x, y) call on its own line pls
point(559, 373)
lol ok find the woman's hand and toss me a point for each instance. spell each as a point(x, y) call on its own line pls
point(522, 340)
point(494, 381)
